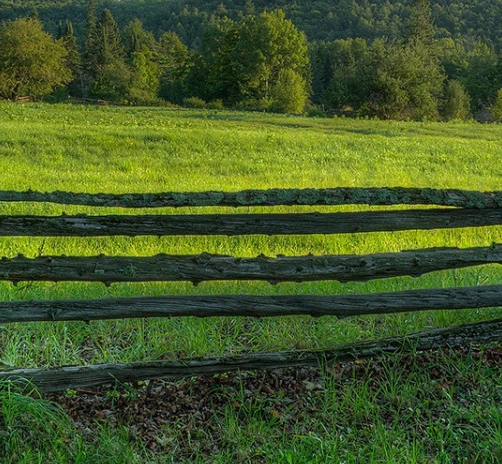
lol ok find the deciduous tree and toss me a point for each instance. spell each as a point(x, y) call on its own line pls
point(31, 61)
point(268, 46)
point(289, 93)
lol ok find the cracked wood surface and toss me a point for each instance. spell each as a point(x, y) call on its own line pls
point(271, 197)
point(251, 306)
point(246, 224)
point(207, 267)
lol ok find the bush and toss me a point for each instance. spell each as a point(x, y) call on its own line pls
point(289, 94)
point(253, 104)
point(194, 102)
point(316, 112)
point(29, 424)
point(215, 105)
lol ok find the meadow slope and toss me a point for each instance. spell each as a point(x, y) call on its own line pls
point(124, 150)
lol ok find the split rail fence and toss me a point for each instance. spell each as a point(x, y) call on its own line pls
point(454, 208)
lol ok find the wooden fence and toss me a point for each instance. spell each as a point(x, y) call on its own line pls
point(456, 209)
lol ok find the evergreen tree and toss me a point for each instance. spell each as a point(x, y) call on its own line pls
point(34, 14)
point(111, 75)
point(249, 8)
point(73, 61)
point(91, 47)
point(135, 38)
point(322, 72)
point(145, 73)
point(420, 26)
point(175, 62)
point(496, 109)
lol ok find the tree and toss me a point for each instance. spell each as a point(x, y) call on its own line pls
point(73, 60)
point(145, 73)
point(457, 102)
point(480, 78)
point(135, 38)
point(288, 93)
point(213, 76)
point(111, 76)
point(348, 85)
point(322, 71)
point(175, 61)
point(408, 76)
point(269, 46)
point(247, 63)
point(144, 78)
point(404, 82)
point(420, 26)
point(474, 65)
point(31, 61)
point(90, 55)
point(497, 107)
point(249, 8)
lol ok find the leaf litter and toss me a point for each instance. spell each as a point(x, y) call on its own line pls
point(171, 416)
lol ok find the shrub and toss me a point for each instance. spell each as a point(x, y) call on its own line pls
point(215, 105)
point(194, 102)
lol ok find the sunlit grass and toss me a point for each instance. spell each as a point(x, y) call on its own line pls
point(124, 150)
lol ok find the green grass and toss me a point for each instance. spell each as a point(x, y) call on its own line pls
point(124, 150)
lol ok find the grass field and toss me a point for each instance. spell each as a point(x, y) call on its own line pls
point(365, 418)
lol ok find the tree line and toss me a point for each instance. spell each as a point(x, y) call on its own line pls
point(321, 20)
point(259, 61)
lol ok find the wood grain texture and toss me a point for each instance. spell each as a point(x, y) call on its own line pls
point(207, 267)
point(246, 224)
point(251, 306)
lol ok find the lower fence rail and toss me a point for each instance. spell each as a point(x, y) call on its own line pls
point(72, 377)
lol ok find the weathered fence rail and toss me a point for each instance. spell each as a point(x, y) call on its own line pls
point(246, 224)
point(464, 209)
point(252, 306)
point(70, 377)
point(207, 267)
point(273, 197)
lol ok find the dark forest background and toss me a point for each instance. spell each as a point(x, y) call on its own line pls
point(412, 59)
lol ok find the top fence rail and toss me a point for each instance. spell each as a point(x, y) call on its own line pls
point(274, 197)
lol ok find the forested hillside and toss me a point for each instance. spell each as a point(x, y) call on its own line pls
point(414, 59)
point(319, 19)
